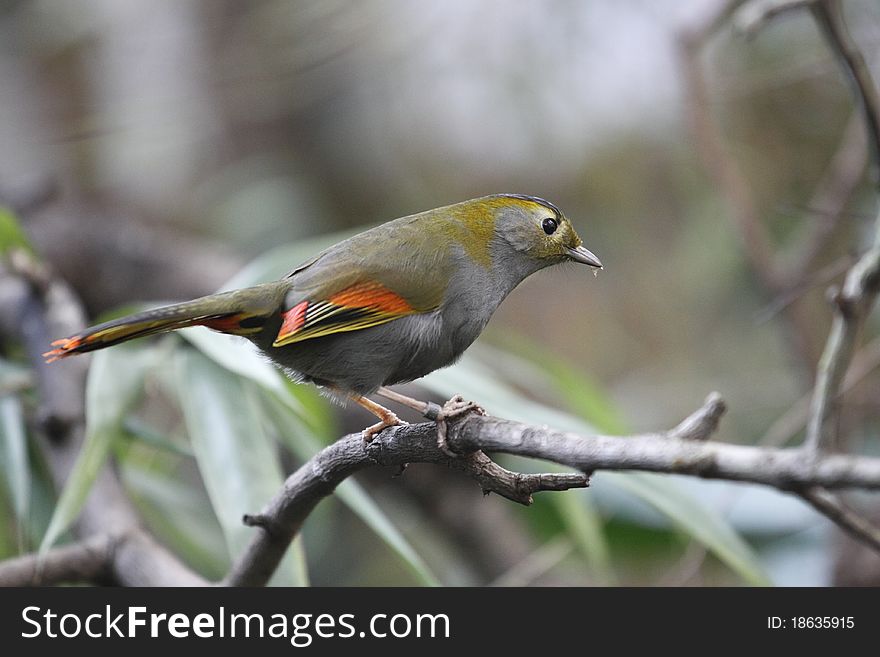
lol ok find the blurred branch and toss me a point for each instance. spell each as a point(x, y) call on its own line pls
point(832, 195)
point(88, 561)
point(843, 516)
point(729, 176)
point(754, 16)
point(865, 361)
point(854, 302)
point(673, 451)
point(829, 16)
point(33, 307)
point(852, 305)
point(710, 146)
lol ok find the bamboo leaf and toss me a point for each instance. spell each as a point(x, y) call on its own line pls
point(237, 460)
point(14, 456)
point(114, 386)
point(704, 524)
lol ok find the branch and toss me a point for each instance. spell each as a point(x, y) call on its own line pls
point(89, 561)
point(829, 16)
point(283, 517)
point(843, 516)
point(754, 16)
point(679, 450)
point(854, 302)
point(703, 422)
point(852, 305)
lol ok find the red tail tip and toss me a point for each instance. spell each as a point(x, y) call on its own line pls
point(63, 347)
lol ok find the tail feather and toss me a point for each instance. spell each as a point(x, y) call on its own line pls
point(150, 322)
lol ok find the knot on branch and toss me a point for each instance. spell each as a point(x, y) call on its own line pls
point(265, 522)
point(702, 423)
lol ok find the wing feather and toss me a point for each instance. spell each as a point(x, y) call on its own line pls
point(356, 307)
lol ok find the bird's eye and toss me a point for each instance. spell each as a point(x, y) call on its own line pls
point(549, 225)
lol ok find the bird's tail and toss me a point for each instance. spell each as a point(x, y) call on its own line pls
point(229, 312)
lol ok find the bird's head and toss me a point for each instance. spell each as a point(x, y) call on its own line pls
point(537, 229)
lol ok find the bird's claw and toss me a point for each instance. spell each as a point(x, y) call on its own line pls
point(454, 408)
point(391, 420)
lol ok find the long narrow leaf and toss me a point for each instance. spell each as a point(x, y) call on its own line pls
point(237, 460)
point(695, 519)
point(14, 456)
point(115, 384)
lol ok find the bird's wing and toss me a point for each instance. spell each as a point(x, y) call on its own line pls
point(357, 306)
point(346, 289)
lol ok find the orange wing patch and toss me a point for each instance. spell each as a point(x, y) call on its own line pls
point(356, 307)
point(372, 295)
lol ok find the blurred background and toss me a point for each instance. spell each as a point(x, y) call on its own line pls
point(157, 150)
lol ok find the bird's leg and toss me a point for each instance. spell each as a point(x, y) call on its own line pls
point(455, 407)
point(386, 417)
point(418, 406)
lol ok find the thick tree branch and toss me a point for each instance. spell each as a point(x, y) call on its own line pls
point(680, 450)
point(283, 517)
point(661, 452)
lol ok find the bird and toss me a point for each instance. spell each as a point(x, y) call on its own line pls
point(386, 306)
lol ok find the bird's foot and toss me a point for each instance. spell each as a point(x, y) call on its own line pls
point(454, 408)
point(389, 420)
point(386, 418)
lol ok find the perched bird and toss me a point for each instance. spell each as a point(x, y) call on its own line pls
point(386, 306)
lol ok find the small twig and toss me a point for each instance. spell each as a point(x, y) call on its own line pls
point(86, 562)
point(786, 426)
point(842, 177)
point(703, 423)
point(804, 284)
point(847, 519)
point(754, 16)
point(515, 486)
point(829, 16)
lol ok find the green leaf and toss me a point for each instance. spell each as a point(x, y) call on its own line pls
point(115, 384)
point(237, 355)
point(703, 524)
point(584, 525)
point(178, 513)
point(138, 430)
point(14, 455)
point(11, 234)
point(237, 460)
point(242, 357)
point(304, 444)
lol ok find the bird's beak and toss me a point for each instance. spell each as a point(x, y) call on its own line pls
point(581, 254)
